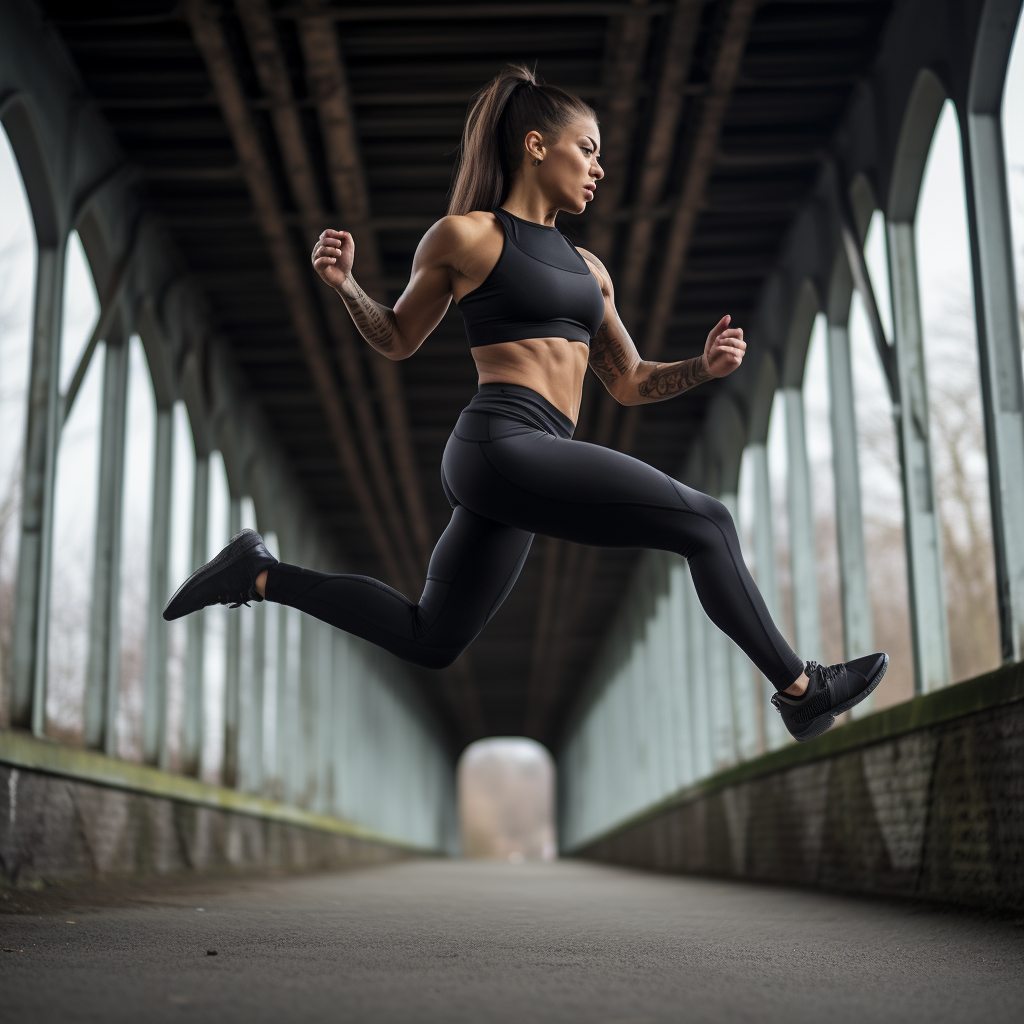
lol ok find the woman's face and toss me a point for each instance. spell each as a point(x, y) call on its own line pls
point(569, 169)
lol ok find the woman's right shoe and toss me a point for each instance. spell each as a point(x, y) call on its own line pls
point(228, 578)
point(831, 690)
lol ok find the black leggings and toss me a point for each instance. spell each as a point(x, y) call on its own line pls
point(510, 470)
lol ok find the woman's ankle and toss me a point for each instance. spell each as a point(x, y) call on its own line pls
point(261, 583)
point(795, 689)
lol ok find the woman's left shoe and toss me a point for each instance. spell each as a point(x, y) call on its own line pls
point(831, 690)
point(228, 578)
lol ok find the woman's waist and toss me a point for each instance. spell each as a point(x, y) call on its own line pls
point(554, 368)
point(499, 406)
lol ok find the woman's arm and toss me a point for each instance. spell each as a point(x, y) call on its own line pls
point(398, 332)
point(631, 380)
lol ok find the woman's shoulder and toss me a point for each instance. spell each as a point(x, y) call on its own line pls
point(455, 236)
point(458, 231)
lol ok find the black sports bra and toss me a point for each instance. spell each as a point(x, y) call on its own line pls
point(541, 287)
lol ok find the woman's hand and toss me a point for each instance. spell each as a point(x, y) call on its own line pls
point(724, 350)
point(333, 255)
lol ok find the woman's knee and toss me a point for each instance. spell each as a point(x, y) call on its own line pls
point(714, 510)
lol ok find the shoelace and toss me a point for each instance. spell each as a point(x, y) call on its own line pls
point(829, 674)
point(239, 598)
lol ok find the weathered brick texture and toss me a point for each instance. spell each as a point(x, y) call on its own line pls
point(937, 813)
point(58, 828)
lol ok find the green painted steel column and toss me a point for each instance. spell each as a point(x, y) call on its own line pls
point(806, 614)
point(103, 668)
point(35, 545)
point(923, 538)
point(700, 717)
point(195, 649)
point(325, 718)
point(252, 720)
point(306, 753)
point(154, 700)
point(997, 314)
point(745, 695)
point(858, 634)
point(682, 673)
point(775, 733)
point(232, 669)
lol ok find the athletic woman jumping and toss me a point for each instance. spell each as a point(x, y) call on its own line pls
point(537, 310)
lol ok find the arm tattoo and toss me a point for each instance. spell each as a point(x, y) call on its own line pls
point(607, 356)
point(668, 379)
point(376, 323)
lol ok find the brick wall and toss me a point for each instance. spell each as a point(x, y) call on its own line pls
point(933, 811)
point(54, 828)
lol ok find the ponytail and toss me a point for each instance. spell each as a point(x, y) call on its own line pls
point(511, 105)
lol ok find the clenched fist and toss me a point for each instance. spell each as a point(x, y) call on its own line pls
point(333, 255)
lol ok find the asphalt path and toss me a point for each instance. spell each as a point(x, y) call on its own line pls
point(476, 941)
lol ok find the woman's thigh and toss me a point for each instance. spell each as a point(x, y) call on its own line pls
point(577, 491)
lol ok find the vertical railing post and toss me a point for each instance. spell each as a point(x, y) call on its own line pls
point(325, 717)
point(195, 651)
point(35, 546)
point(682, 673)
point(700, 717)
point(806, 615)
point(232, 668)
point(853, 572)
point(103, 675)
point(744, 694)
point(154, 700)
point(929, 631)
point(284, 742)
point(998, 327)
point(308, 692)
point(767, 577)
point(252, 723)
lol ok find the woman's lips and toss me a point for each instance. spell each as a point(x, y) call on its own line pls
point(590, 189)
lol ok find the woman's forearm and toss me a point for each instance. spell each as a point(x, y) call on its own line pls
point(375, 322)
point(654, 382)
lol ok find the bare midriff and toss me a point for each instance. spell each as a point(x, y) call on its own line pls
point(553, 367)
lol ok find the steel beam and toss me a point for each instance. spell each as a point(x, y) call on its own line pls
point(858, 637)
point(252, 719)
point(272, 70)
point(929, 631)
point(325, 743)
point(232, 671)
point(997, 313)
point(698, 681)
point(195, 647)
point(744, 695)
point(103, 668)
point(724, 74)
point(767, 578)
point(328, 84)
point(624, 59)
point(806, 614)
point(213, 46)
point(154, 699)
point(35, 549)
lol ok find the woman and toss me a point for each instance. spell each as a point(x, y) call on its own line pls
point(538, 311)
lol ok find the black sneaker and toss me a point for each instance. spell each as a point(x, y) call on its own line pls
point(831, 690)
point(228, 578)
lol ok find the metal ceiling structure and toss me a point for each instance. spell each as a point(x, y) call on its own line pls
point(251, 125)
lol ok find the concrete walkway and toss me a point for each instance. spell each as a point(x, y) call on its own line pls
point(483, 942)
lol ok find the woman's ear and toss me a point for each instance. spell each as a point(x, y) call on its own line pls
point(535, 148)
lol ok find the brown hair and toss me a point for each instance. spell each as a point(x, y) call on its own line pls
point(508, 107)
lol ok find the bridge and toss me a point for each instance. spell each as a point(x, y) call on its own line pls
point(846, 177)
